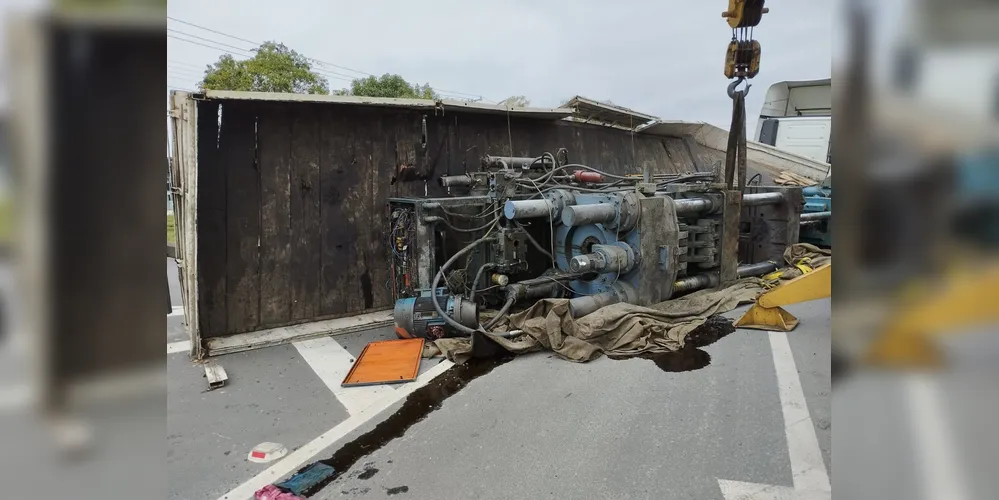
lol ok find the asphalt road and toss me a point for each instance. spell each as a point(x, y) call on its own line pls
point(541, 427)
point(535, 427)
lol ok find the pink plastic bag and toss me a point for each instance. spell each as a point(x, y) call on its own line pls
point(271, 492)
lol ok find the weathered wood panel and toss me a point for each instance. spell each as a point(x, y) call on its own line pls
point(211, 217)
point(325, 173)
point(341, 175)
point(306, 216)
point(237, 154)
point(274, 158)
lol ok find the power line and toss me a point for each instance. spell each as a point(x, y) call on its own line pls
point(213, 31)
point(258, 43)
point(209, 40)
point(325, 72)
point(182, 63)
point(204, 45)
point(182, 69)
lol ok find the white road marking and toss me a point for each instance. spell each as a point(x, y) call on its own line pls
point(331, 362)
point(936, 455)
point(808, 469)
point(299, 457)
point(179, 346)
point(738, 490)
point(177, 311)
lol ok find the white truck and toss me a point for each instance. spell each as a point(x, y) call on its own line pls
point(796, 117)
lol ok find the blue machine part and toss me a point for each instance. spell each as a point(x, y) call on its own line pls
point(417, 317)
point(978, 192)
point(573, 241)
point(978, 175)
point(817, 199)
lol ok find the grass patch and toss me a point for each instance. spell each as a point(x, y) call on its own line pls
point(171, 230)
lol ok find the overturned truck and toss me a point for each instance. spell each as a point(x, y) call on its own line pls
point(300, 216)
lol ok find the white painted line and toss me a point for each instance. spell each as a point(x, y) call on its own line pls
point(738, 490)
point(179, 346)
point(808, 469)
point(331, 362)
point(177, 311)
point(299, 457)
point(937, 459)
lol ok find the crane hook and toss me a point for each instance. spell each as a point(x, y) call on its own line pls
point(733, 85)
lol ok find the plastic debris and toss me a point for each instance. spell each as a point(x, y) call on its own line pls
point(271, 492)
point(307, 478)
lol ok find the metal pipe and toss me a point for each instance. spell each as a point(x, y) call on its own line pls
point(578, 215)
point(527, 209)
point(699, 281)
point(516, 162)
point(619, 292)
point(688, 206)
point(815, 216)
point(696, 282)
point(454, 180)
point(756, 199)
point(758, 269)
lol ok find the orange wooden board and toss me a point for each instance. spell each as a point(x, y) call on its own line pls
point(386, 362)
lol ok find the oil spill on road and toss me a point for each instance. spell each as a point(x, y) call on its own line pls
point(690, 357)
point(368, 473)
point(685, 360)
point(416, 407)
point(396, 490)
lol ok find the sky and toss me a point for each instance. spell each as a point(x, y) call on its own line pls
point(662, 57)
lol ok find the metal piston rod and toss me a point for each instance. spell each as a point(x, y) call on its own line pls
point(700, 281)
point(690, 206)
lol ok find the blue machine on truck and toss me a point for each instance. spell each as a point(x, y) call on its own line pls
point(816, 216)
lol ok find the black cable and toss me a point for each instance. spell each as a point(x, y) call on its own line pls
point(488, 211)
point(535, 243)
point(502, 312)
point(472, 230)
point(478, 276)
point(437, 279)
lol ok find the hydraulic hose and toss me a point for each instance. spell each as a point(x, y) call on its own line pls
point(460, 230)
point(478, 276)
point(502, 312)
point(537, 245)
point(437, 279)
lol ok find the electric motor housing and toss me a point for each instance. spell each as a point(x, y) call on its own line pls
point(416, 316)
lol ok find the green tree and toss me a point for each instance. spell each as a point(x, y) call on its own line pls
point(517, 101)
point(389, 86)
point(274, 68)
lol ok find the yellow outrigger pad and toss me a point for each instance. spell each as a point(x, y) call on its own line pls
point(767, 318)
point(767, 313)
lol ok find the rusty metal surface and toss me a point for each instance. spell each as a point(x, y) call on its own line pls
point(767, 230)
point(442, 106)
point(729, 255)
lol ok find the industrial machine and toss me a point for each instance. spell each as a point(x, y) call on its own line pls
point(522, 229)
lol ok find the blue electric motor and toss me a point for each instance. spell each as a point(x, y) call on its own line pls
point(416, 316)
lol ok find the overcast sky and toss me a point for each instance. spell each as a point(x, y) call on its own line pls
point(662, 57)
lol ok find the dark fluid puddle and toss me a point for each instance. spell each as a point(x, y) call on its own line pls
point(690, 357)
point(417, 406)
